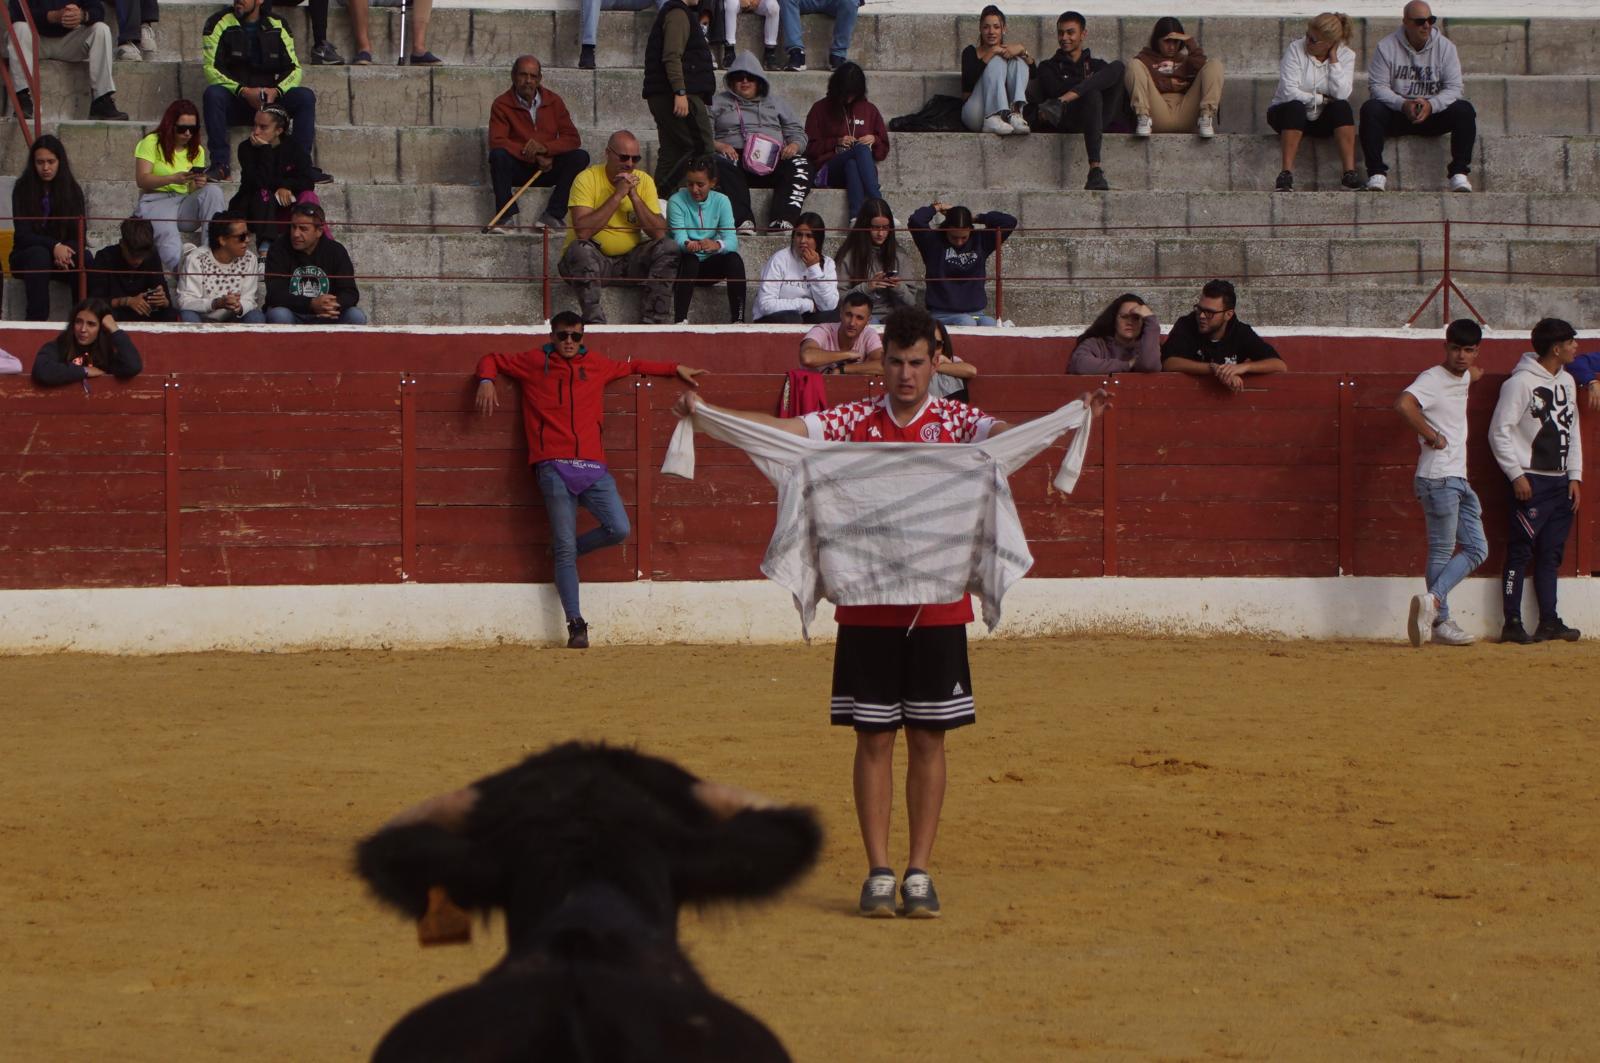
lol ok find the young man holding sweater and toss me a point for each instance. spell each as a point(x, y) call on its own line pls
point(1414, 78)
point(1534, 436)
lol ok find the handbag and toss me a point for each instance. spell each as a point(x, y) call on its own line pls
point(761, 152)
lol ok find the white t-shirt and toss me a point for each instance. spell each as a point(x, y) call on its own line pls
point(1443, 398)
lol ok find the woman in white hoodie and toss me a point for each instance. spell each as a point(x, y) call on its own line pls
point(1315, 76)
point(799, 284)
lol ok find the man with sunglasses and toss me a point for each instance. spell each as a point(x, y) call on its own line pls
point(617, 230)
point(1211, 342)
point(563, 403)
point(1414, 78)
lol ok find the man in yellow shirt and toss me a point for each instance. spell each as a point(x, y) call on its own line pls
point(617, 230)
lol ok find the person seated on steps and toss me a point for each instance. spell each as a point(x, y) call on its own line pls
point(72, 31)
point(1172, 85)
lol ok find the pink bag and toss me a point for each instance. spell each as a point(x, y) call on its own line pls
point(761, 152)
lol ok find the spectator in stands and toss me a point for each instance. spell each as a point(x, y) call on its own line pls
point(250, 63)
point(169, 168)
point(702, 226)
point(136, 34)
point(275, 173)
point(589, 23)
point(955, 259)
point(310, 279)
point(72, 31)
point(562, 406)
point(799, 284)
point(679, 81)
point(1585, 370)
point(869, 261)
point(1073, 92)
point(1414, 81)
point(1538, 444)
point(760, 142)
point(420, 17)
point(530, 129)
point(1124, 338)
point(46, 207)
point(219, 280)
point(1435, 407)
point(323, 53)
point(1211, 342)
point(1315, 76)
point(1172, 85)
point(846, 138)
point(91, 345)
point(770, 20)
point(618, 231)
point(950, 373)
point(128, 276)
point(994, 79)
point(843, 13)
point(848, 345)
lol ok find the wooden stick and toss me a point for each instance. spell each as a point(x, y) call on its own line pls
point(510, 202)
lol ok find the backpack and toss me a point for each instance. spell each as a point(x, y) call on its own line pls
point(941, 114)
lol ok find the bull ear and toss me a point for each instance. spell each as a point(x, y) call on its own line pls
point(401, 864)
point(753, 853)
point(443, 923)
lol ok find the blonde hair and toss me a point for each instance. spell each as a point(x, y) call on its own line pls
point(1331, 26)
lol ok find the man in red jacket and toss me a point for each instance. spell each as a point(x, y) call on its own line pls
point(530, 130)
point(563, 399)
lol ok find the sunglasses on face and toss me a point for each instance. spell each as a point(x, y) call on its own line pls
point(626, 158)
point(186, 128)
point(563, 336)
point(741, 77)
point(1430, 20)
point(237, 236)
point(1201, 311)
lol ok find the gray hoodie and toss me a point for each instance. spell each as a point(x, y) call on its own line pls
point(766, 113)
point(1535, 425)
point(1397, 73)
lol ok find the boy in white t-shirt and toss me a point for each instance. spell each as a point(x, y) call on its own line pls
point(1435, 406)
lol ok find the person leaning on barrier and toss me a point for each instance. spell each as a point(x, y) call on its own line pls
point(531, 130)
point(250, 63)
point(1211, 341)
point(169, 170)
point(129, 277)
point(1414, 77)
point(1073, 92)
point(46, 208)
point(950, 374)
point(1585, 370)
point(848, 345)
point(310, 279)
point(1173, 87)
point(680, 77)
point(1315, 77)
point(799, 284)
point(220, 279)
point(1124, 338)
point(90, 345)
point(71, 31)
point(618, 231)
point(747, 117)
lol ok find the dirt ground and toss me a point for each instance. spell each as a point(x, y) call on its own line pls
point(1152, 849)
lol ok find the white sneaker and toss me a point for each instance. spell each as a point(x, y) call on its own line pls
point(147, 39)
point(997, 125)
point(1377, 182)
point(129, 53)
point(1019, 124)
point(1419, 626)
point(1460, 183)
point(1206, 126)
point(747, 228)
point(1447, 633)
point(1143, 127)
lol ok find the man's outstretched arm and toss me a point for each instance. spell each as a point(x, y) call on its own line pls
point(689, 402)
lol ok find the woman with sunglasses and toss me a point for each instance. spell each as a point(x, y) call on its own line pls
point(1414, 84)
point(1315, 76)
point(759, 142)
point(1125, 338)
point(169, 166)
point(950, 374)
point(1172, 85)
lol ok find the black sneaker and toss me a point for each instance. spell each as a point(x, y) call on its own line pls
point(1350, 179)
point(1555, 631)
point(586, 58)
point(1513, 631)
point(106, 107)
point(1096, 181)
point(219, 172)
point(770, 60)
point(836, 61)
point(577, 634)
point(325, 54)
point(25, 103)
point(797, 60)
point(877, 894)
point(730, 55)
point(921, 899)
point(1285, 181)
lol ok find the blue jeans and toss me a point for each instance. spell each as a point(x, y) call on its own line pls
point(1002, 83)
point(600, 499)
point(844, 21)
point(251, 317)
point(1454, 518)
point(950, 317)
point(282, 315)
point(222, 109)
point(856, 171)
point(589, 17)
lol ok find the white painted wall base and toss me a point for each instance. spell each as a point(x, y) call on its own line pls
point(415, 616)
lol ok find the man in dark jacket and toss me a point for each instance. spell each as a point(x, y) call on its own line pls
point(128, 276)
point(680, 78)
point(530, 130)
point(250, 63)
point(1212, 342)
point(1073, 92)
point(73, 31)
point(310, 279)
point(563, 404)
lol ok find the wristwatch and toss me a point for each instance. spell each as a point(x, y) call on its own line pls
point(679, 92)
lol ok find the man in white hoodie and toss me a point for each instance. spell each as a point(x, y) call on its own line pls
point(1534, 436)
point(1414, 77)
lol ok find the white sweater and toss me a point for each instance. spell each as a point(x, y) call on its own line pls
point(789, 284)
point(205, 280)
point(1535, 426)
point(1312, 81)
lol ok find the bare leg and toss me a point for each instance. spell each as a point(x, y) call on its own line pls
point(874, 786)
point(421, 15)
point(925, 783)
point(358, 25)
point(1289, 141)
point(1345, 137)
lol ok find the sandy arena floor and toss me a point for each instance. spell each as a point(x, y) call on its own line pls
point(1151, 850)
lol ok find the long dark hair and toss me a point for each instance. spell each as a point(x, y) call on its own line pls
point(847, 85)
point(947, 345)
point(812, 221)
point(855, 254)
point(66, 196)
point(1104, 327)
point(1164, 25)
point(100, 351)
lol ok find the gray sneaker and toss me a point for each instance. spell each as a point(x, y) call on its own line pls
point(921, 899)
point(1447, 633)
point(877, 894)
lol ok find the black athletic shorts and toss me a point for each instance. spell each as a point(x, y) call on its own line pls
point(886, 677)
